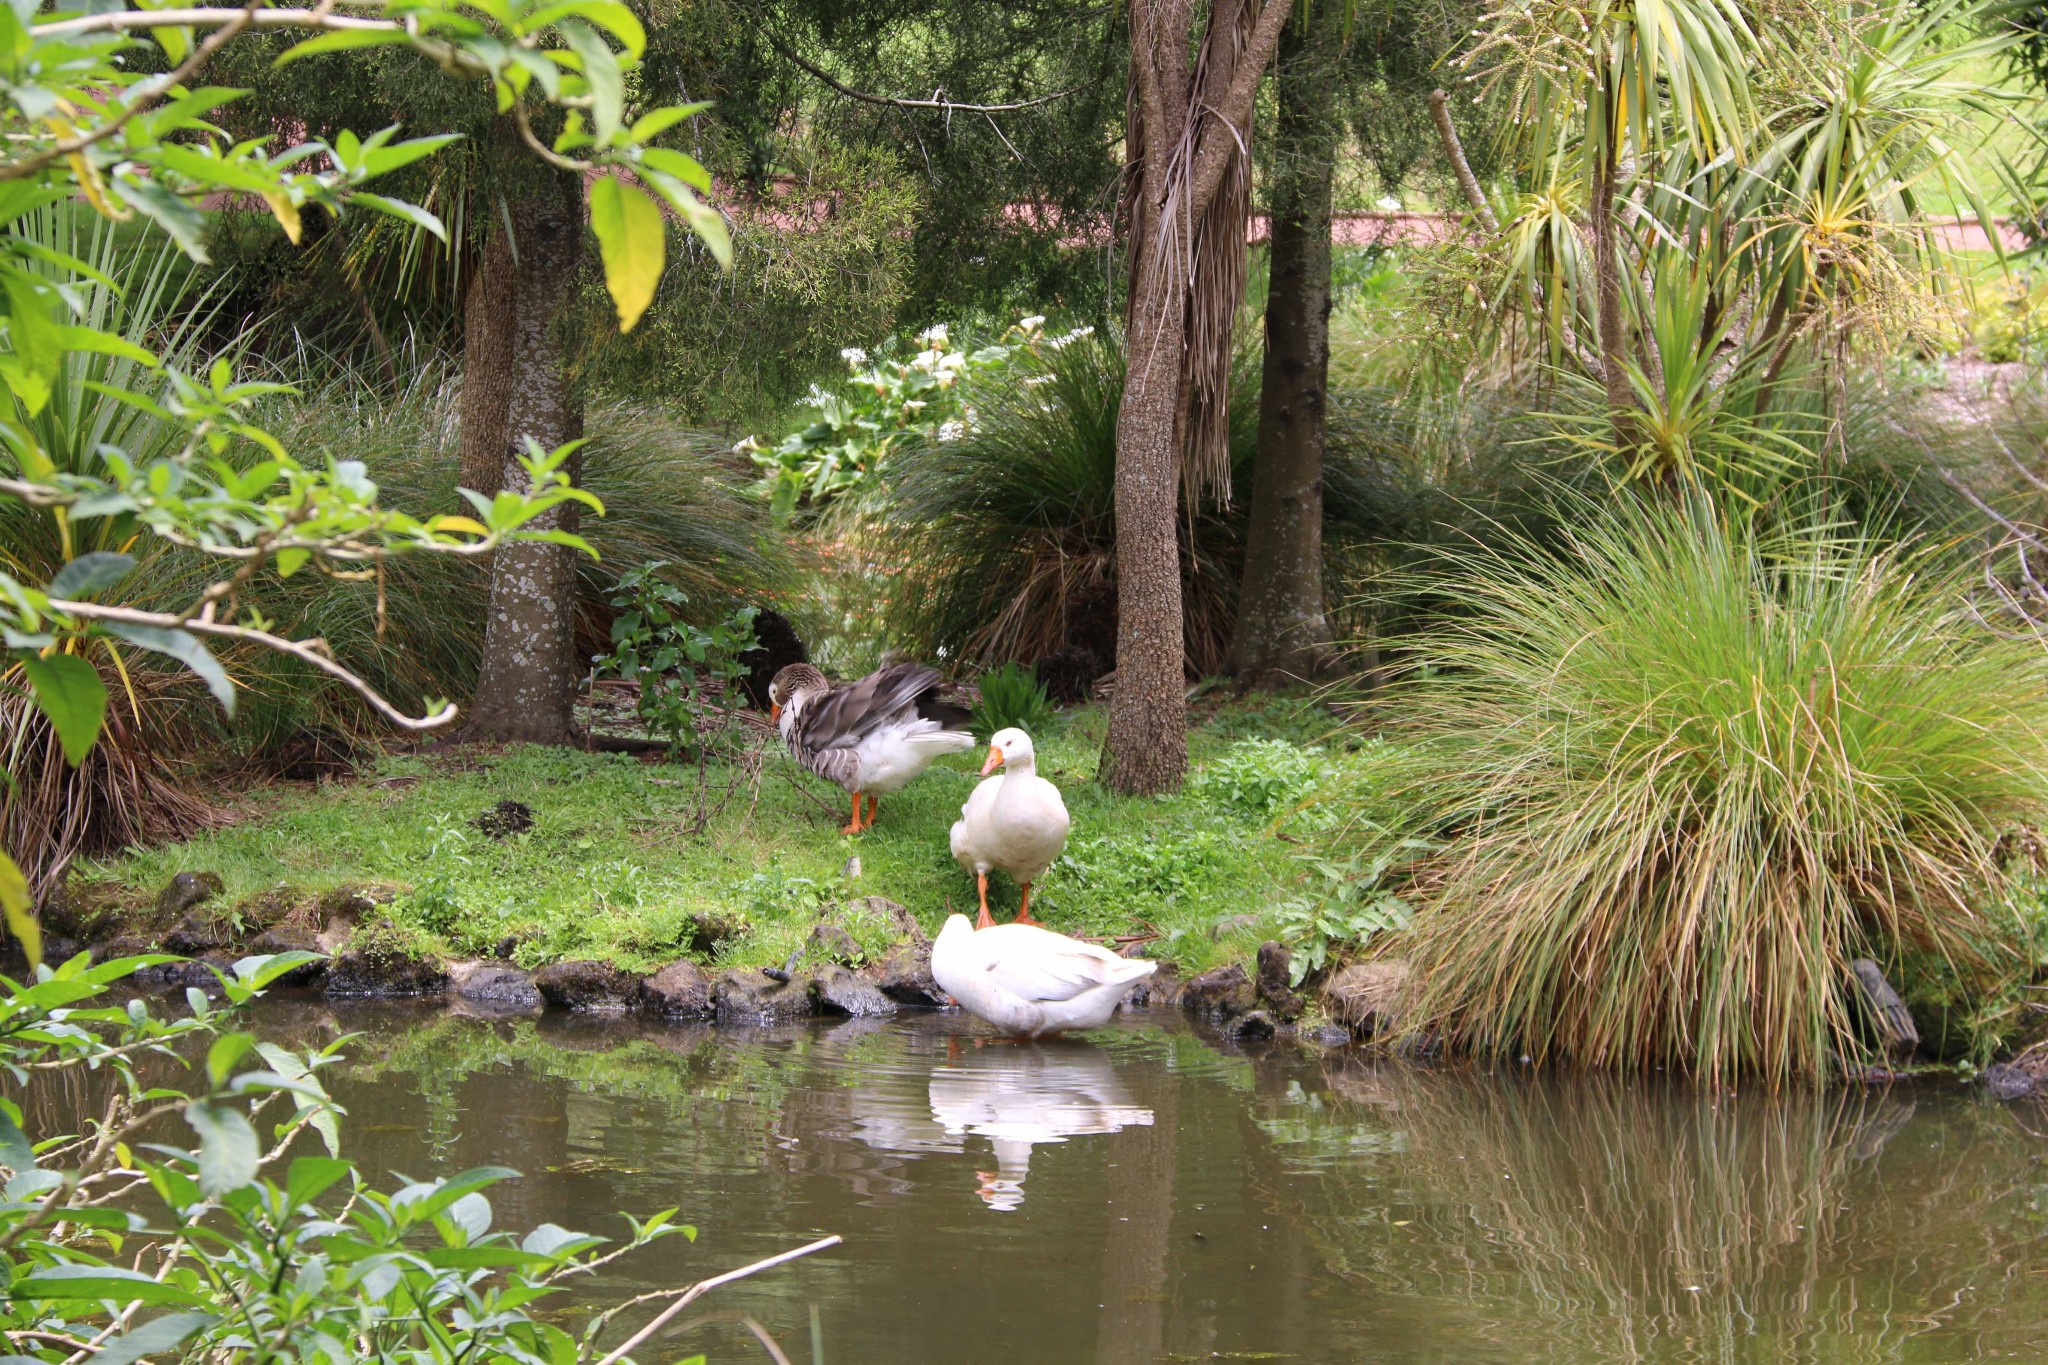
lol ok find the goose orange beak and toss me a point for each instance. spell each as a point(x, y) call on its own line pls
point(995, 760)
point(774, 712)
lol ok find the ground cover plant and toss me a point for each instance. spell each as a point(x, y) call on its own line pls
point(262, 1242)
point(1686, 770)
point(610, 868)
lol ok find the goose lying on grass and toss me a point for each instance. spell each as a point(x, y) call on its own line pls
point(871, 737)
point(1014, 822)
point(1029, 981)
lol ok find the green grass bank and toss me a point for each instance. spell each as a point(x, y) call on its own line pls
point(610, 868)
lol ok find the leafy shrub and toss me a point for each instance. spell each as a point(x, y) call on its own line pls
point(1691, 770)
point(671, 496)
point(1012, 696)
point(1353, 900)
point(252, 1236)
point(1006, 536)
point(683, 670)
point(890, 404)
point(1259, 776)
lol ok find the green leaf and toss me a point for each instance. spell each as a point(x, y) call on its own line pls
point(15, 902)
point(38, 351)
point(70, 693)
point(601, 71)
point(16, 1152)
point(228, 1150)
point(309, 1177)
point(227, 1050)
point(383, 160)
point(398, 208)
point(188, 650)
point(97, 1282)
point(186, 224)
point(655, 122)
point(681, 165)
point(176, 41)
point(705, 221)
point(90, 573)
point(633, 242)
point(154, 1337)
point(342, 40)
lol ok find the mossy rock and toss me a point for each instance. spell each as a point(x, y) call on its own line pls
point(274, 906)
point(355, 902)
point(87, 911)
point(186, 891)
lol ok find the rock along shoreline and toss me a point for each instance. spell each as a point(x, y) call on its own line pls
point(364, 958)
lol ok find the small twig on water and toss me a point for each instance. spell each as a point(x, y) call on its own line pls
point(696, 1291)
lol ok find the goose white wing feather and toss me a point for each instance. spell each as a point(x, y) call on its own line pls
point(1035, 964)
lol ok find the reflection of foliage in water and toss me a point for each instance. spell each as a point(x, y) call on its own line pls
point(1629, 1222)
point(680, 1066)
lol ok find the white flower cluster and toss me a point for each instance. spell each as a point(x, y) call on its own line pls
point(1060, 343)
point(854, 355)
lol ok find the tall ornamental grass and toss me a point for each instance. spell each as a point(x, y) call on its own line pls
point(1685, 772)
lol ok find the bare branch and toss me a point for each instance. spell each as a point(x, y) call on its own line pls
point(1440, 110)
point(703, 1287)
point(949, 106)
point(311, 651)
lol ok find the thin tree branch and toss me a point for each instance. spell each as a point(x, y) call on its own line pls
point(892, 101)
point(234, 22)
point(1440, 111)
point(703, 1287)
point(298, 649)
point(144, 95)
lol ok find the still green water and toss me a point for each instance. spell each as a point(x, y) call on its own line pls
point(1147, 1196)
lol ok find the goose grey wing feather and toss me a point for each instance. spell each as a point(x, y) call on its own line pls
point(846, 715)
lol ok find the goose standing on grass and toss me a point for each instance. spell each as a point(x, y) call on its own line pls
point(870, 737)
point(1029, 981)
point(1014, 822)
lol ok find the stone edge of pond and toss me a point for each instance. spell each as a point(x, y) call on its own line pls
point(364, 958)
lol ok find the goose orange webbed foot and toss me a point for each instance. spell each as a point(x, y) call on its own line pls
point(855, 826)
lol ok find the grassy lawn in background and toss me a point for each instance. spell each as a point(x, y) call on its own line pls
point(610, 870)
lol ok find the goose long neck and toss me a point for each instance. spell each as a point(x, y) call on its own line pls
point(1024, 765)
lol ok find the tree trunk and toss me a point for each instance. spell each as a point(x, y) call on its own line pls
point(1147, 747)
point(1281, 629)
point(527, 687)
point(487, 322)
point(1188, 126)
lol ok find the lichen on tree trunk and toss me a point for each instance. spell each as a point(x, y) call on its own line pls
point(1282, 630)
point(527, 686)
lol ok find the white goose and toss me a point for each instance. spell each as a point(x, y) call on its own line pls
point(1014, 822)
point(1029, 981)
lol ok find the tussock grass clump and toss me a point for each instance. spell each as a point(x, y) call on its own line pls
point(1008, 534)
point(1686, 772)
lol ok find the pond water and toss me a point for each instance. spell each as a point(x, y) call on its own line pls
point(1148, 1196)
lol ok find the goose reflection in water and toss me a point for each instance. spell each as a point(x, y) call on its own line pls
point(1018, 1095)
